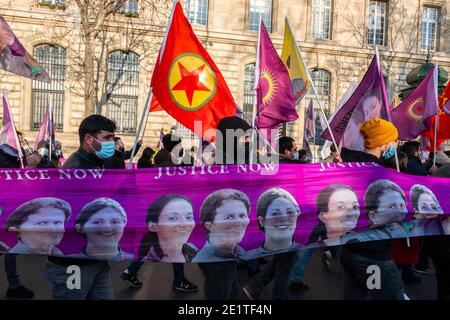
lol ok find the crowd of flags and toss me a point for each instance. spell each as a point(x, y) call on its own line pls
point(188, 85)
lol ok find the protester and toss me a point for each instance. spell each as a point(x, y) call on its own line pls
point(59, 154)
point(277, 213)
point(379, 142)
point(96, 134)
point(410, 251)
point(415, 166)
point(163, 158)
point(224, 216)
point(170, 221)
point(287, 150)
point(338, 212)
point(9, 158)
point(439, 249)
point(117, 161)
point(222, 278)
point(146, 159)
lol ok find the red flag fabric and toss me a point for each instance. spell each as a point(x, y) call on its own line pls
point(187, 83)
point(443, 130)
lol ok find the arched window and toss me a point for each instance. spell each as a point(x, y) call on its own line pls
point(249, 92)
point(53, 59)
point(123, 89)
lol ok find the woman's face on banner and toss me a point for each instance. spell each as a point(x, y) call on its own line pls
point(43, 229)
point(428, 208)
point(371, 107)
point(280, 220)
point(343, 213)
point(230, 223)
point(176, 222)
point(104, 228)
point(391, 209)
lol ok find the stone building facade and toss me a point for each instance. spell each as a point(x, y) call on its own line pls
point(337, 39)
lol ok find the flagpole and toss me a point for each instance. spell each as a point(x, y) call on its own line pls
point(436, 122)
point(314, 90)
point(257, 62)
point(169, 23)
point(16, 138)
point(138, 133)
point(386, 102)
point(50, 121)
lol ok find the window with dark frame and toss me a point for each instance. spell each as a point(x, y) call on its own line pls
point(260, 9)
point(429, 29)
point(123, 90)
point(321, 19)
point(377, 24)
point(197, 11)
point(53, 59)
point(249, 92)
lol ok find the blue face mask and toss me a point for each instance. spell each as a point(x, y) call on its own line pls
point(296, 155)
point(390, 153)
point(107, 150)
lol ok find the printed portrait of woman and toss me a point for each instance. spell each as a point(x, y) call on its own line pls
point(338, 211)
point(102, 222)
point(39, 224)
point(368, 109)
point(170, 221)
point(427, 211)
point(385, 205)
point(277, 213)
point(224, 215)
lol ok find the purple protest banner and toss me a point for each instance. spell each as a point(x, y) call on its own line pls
point(213, 213)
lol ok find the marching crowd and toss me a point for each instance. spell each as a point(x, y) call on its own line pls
point(399, 260)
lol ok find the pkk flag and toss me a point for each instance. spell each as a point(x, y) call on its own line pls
point(46, 128)
point(292, 58)
point(187, 83)
point(309, 131)
point(275, 101)
point(368, 101)
point(444, 100)
point(14, 58)
point(411, 117)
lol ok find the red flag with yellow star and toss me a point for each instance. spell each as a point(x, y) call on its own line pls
point(186, 82)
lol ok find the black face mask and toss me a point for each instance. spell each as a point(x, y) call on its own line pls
point(121, 149)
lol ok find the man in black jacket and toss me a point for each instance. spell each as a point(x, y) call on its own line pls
point(356, 258)
point(96, 144)
point(415, 166)
point(9, 158)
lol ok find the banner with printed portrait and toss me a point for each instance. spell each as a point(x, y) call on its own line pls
point(213, 213)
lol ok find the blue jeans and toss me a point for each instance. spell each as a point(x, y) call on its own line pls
point(11, 271)
point(301, 262)
point(178, 270)
point(95, 282)
point(278, 269)
point(356, 276)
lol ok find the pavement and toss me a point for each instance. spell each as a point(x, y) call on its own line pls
point(324, 284)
